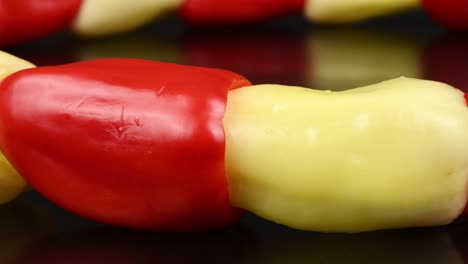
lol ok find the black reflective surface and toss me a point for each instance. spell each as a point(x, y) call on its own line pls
point(33, 230)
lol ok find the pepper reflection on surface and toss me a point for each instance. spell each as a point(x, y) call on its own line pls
point(446, 60)
point(241, 245)
point(53, 51)
point(137, 45)
point(333, 59)
point(325, 59)
point(428, 246)
point(20, 224)
point(352, 58)
point(263, 56)
point(119, 246)
point(459, 237)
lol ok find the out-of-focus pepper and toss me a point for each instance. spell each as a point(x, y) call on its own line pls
point(347, 11)
point(127, 142)
point(390, 155)
point(452, 14)
point(103, 17)
point(23, 20)
point(11, 183)
point(215, 12)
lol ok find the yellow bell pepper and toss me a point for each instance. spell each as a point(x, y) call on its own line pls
point(11, 183)
point(345, 11)
point(10, 64)
point(102, 17)
point(389, 155)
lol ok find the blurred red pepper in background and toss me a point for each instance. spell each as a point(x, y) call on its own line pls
point(214, 12)
point(23, 20)
point(450, 13)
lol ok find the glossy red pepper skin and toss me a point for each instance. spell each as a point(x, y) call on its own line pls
point(452, 14)
point(126, 142)
point(215, 12)
point(23, 20)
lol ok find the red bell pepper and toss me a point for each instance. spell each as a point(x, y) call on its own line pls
point(127, 142)
point(450, 13)
point(237, 11)
point(23, 20)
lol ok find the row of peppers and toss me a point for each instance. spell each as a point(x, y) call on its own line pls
point(24, 20)
point(177, 148)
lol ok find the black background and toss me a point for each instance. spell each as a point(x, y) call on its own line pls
point(288, 51)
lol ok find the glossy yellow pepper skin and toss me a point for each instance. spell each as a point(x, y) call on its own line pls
point(389, 155)
point(105, 17)
point(11, 183)
point(348, 11)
